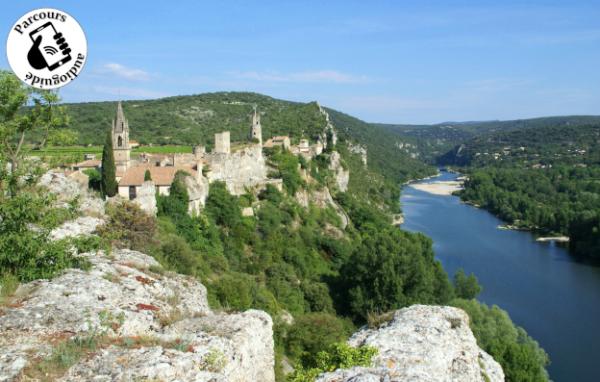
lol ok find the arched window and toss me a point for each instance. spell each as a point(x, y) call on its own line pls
point(120, 142)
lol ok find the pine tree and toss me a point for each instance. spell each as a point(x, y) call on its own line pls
point(147, 176)
point(109, 181)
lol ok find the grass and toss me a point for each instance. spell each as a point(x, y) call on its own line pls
point(8, 286)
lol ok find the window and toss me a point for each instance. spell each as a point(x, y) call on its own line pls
point(120, 142)
point(132, 193)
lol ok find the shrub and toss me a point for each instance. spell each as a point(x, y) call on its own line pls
point(95, 178)
point(222, 206)
point(25, 252)
point(128, 227)
point(176, 252)
point(335, 356)
point(314, 332)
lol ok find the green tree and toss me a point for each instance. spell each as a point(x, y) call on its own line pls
point(147, 176)
point(175, 205)
point(17, 122)
point(519, 355)
point(314, 332)
point(109, 181)
point(466, 287)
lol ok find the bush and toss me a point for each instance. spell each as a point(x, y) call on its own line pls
point(25, 252)
point(314, 332)
point(222, 206)
point(129, 227)
point(335, 356)
point(178, 255)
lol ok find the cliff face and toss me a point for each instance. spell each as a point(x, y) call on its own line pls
point(422, 343)
point(148, 325)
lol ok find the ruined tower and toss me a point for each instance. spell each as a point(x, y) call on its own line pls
point(120, 137)
point(256, 129)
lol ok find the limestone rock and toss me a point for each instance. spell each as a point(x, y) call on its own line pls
point(341, 175)
point(422, 343)
point(146, 197)
point(122, 297)
point(321, 198)
point(81, 226)
point(67, 188)
point(197, 188)
point(241, 169)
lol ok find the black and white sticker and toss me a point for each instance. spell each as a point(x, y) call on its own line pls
point(46, 48)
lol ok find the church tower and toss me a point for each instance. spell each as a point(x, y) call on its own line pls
point(120, 137)
point(256, 130)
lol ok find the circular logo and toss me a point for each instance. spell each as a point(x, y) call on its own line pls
point(46, 48)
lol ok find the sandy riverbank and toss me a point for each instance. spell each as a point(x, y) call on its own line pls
point(439, 188)
point(559, 239)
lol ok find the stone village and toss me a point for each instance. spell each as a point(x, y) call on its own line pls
point(242, 167)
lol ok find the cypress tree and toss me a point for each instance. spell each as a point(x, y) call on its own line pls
point(147, 176)
point(109, 181)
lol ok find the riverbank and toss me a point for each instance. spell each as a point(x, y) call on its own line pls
point(447, 187)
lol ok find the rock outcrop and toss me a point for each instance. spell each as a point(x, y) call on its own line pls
point(146, 197)
point(241, 169)
point(149, 325)
point(66, 189)
point(341, 175)
point(422, 343)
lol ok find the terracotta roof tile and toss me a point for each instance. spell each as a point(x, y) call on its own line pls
point(161, 176)
point(88, 163)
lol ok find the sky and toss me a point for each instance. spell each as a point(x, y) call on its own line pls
point(382, 61)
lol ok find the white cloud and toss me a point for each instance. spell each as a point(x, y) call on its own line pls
point(125, 72)
point(318, 76)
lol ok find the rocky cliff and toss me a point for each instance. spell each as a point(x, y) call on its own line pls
point(422, 343)
point(146, 324)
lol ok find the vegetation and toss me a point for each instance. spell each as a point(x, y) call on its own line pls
point(542, 178)
point(109, 180)
point(336, 356)
point(25, 253)
point(520, 356)
point(287, 259)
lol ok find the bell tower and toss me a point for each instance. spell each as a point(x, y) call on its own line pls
point(256, 129)
point(120, 137)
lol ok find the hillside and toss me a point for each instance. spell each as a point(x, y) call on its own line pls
point(543, 178)
point(190, 120)
point(436, 140)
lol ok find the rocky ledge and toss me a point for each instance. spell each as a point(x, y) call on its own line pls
point(145, 323)
point(422, 343)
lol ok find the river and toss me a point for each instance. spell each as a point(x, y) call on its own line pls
point(555, 298)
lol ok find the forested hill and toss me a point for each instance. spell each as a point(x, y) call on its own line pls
point(194, 119)
point(564, 143)
point(545, 178)
point(435, 140)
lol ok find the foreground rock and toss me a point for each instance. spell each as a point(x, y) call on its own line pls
point(149, 325)
point(66, 189)
point(422, 343)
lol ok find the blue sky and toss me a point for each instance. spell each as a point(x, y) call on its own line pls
point(382, 61)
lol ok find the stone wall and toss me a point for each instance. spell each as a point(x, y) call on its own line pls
point(243, 168)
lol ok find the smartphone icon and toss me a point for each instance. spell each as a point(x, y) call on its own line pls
point(50, 50)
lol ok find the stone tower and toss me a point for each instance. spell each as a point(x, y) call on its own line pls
point(120, 137)
point(256, 130)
